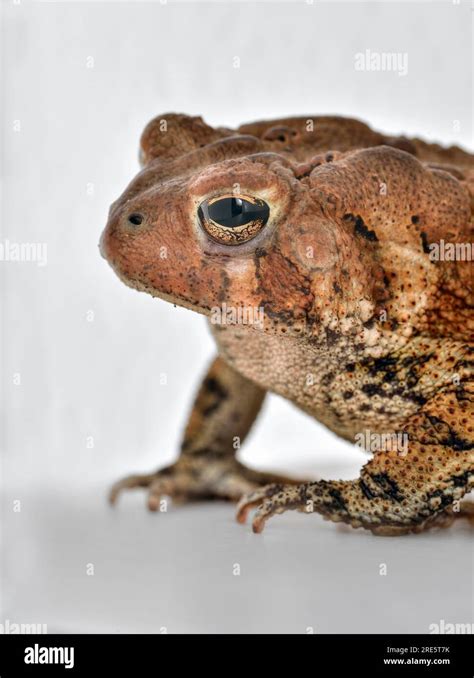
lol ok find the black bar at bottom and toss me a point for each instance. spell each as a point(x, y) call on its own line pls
point(136, 655)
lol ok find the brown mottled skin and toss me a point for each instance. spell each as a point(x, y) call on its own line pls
point(361, 329)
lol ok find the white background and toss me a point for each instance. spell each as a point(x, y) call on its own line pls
point(74, 153)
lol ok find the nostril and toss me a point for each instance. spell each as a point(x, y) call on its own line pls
point(135, 219)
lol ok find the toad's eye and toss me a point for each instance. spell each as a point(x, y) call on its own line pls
point(232, 220)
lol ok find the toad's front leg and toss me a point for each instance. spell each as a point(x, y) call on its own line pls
point(224, 410)
point(397, 492)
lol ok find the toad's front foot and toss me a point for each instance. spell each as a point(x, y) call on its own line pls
point(348, 501)
point(198, 476)
point(272, 499)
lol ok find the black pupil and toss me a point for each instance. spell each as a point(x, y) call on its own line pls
point(234, 212)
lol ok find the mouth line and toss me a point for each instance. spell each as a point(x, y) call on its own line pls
point(175, 299)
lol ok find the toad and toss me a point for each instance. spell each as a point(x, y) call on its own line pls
point(310, 245)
